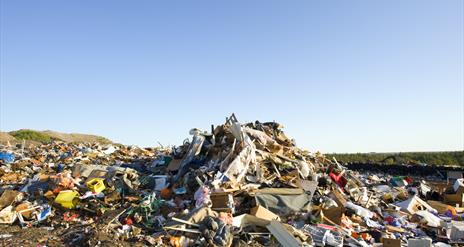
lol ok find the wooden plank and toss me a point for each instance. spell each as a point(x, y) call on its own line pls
point(185, 222)
point(282, 235)
point(182, 230)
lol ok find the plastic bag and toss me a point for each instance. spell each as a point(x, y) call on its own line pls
point(202, 197)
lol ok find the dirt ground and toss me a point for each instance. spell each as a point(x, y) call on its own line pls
point(27, 237)
point(41, 236)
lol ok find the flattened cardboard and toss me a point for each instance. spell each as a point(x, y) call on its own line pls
point(333, 214)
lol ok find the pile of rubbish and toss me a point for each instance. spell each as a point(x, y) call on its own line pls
point(238, 185)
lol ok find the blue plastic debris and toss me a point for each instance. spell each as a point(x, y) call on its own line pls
point(7, 157)
point(180, 191)
point(59, 167)
point(33, 185)
point(44, 213)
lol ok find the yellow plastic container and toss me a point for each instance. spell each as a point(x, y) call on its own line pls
point(68, 198)
point(96, 185)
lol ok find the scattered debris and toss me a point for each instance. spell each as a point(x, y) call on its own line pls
point(240, 184)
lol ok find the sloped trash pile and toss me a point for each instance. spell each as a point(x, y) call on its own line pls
point(237, 185)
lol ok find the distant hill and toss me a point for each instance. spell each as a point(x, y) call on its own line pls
point(38, 137)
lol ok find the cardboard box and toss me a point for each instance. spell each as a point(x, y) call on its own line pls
point(264, 213)
point(390, 242)
point(453, 199)
point(222, 202)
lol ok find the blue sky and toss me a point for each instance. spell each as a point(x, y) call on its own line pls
point(341, 76)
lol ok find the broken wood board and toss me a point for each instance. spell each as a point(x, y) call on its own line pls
point(284, 237)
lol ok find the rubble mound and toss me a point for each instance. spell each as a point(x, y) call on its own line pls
point(238, 185)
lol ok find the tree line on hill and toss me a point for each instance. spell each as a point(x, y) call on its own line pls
point(455, 158)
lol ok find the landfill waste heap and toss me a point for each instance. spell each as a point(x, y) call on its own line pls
point(239, 185)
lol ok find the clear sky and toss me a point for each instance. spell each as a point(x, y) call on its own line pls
point(341, 76)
